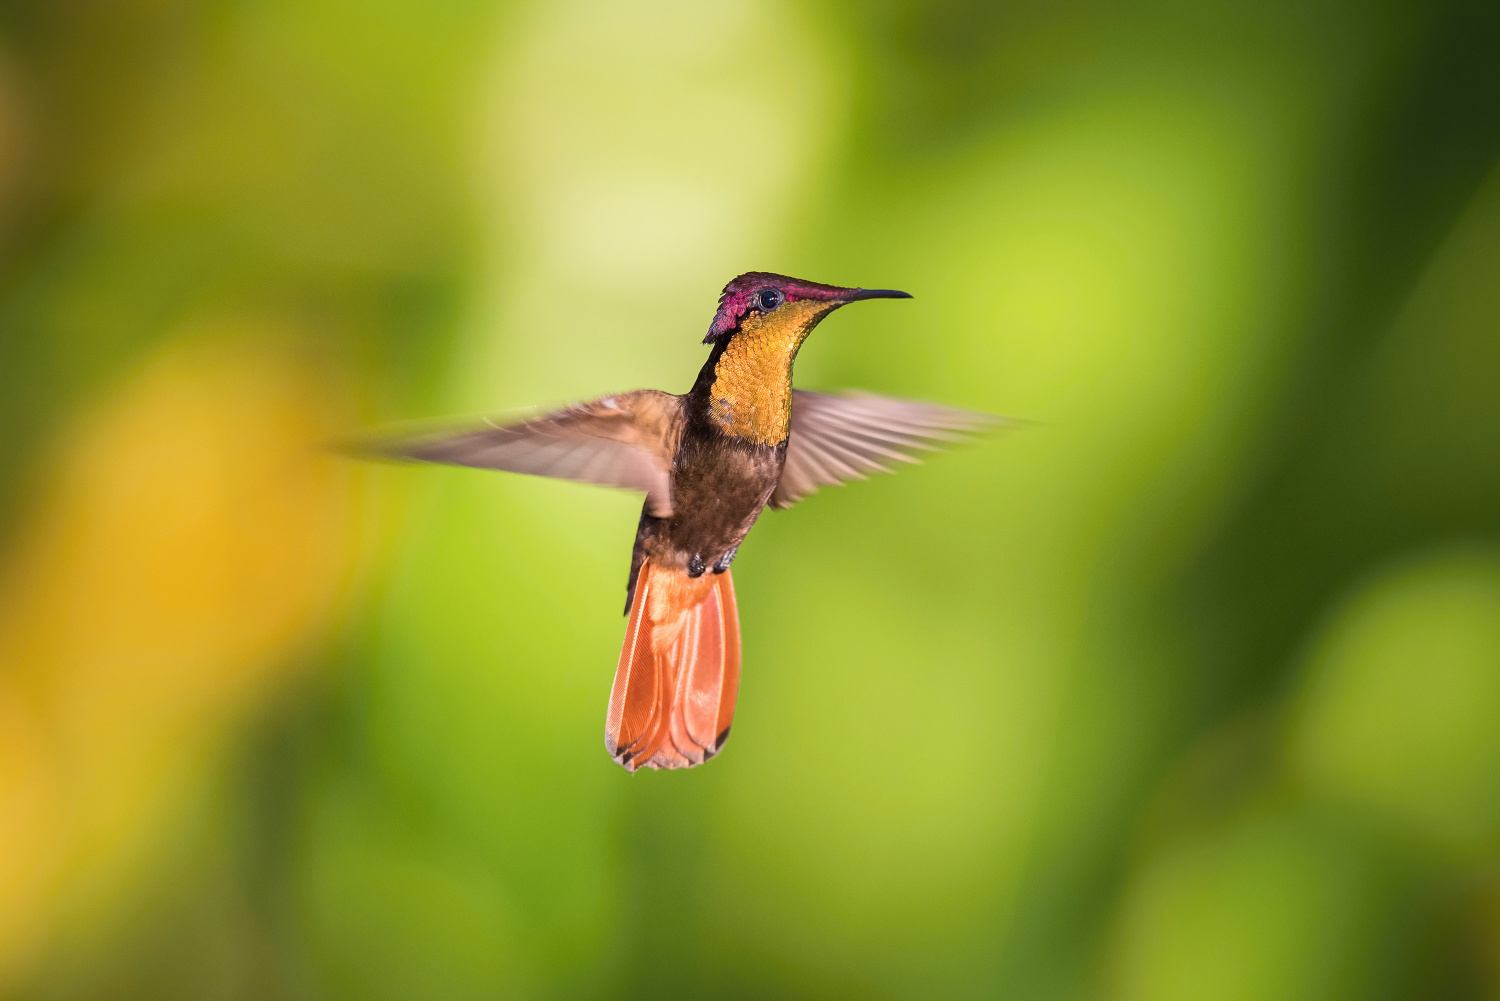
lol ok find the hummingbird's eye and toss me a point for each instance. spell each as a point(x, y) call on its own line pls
point(769, 299)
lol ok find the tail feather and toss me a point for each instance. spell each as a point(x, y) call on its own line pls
point(673, 698)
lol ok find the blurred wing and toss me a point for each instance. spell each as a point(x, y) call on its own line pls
point(839, 438)
point(626, 440)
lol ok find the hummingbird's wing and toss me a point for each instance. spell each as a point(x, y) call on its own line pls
point(626, 440)
point(838, 438)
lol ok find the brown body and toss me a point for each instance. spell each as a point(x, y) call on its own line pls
point(735, 424)
point(709, 461)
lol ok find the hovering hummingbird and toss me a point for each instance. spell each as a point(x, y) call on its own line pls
point(709, 461)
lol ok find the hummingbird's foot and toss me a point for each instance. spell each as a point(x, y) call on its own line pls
point(696, 566)
point(725, 560)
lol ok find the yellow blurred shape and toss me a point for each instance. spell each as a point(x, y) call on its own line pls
point(193, 536)
point(1401, 709)
point(29, 821)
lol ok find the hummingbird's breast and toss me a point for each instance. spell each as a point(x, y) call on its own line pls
point(720, 484)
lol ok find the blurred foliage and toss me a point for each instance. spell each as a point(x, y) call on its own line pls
point(1190, 689)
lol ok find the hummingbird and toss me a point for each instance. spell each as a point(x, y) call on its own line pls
point(709, 462)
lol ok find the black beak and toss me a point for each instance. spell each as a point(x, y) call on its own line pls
point(875, 293)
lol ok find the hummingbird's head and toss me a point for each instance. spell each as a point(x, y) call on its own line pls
point(761, 299)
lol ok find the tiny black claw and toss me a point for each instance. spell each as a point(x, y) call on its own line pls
point(696, 566)
point(725, 560)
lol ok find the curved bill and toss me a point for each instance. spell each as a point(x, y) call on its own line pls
point(875, 293)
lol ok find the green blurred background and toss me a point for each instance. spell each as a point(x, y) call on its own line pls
point(1189, 689)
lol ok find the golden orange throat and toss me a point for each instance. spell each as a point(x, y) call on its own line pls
point(751, 396)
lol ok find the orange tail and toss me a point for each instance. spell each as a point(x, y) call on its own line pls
point(679, 673)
